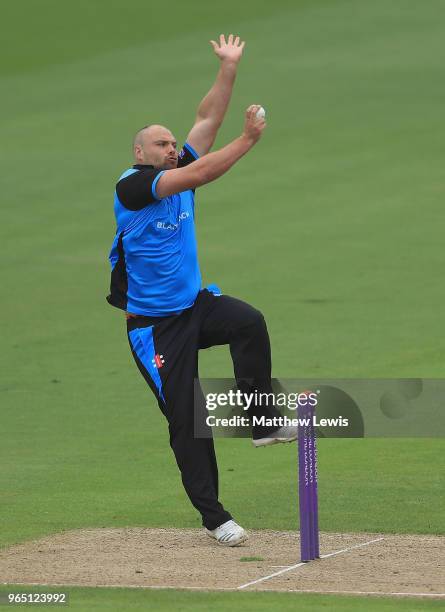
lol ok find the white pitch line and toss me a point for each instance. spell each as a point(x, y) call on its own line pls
point(283, 571)
point(338, 552)
point(75, 585)
point(376, 593)
point(291, 567)
point(210, 589)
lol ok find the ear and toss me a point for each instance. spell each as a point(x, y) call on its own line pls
point(138, 153)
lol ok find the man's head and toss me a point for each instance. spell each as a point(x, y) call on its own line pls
point(155, 145)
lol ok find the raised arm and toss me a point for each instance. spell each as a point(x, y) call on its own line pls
point(213, 107)
point(212, 166)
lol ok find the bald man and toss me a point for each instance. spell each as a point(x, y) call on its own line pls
point(156, 280)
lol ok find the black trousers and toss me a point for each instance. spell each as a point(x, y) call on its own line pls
point(166, 352)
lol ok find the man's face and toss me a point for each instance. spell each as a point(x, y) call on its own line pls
point(157, 147)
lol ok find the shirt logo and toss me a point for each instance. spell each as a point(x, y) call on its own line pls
point(158, 361)
point(173, 226)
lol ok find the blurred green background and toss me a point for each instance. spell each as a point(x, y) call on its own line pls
point(332, 226)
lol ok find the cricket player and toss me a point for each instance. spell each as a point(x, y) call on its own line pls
point(156, 280)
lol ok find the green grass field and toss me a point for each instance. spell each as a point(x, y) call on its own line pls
point(185, 601)
point(332, 226)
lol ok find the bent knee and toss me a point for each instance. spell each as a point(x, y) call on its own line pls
point(253, 319)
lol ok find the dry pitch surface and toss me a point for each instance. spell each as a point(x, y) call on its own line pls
point(187, 558)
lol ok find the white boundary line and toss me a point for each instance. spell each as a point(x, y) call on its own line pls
point(291, 567)
point(210, 589)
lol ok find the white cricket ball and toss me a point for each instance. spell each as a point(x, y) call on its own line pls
point(261, 113)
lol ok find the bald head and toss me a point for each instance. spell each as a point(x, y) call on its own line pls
point(148, 130)
point(155, 145)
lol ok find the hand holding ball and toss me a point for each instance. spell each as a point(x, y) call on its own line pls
point(261, 113)
point(255, 123)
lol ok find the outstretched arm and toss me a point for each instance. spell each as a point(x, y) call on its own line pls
point(213, 107)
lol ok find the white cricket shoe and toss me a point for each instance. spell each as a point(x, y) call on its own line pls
point(281, 435)
point(228, 534)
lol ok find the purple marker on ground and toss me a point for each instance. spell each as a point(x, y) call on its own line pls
point(303, 490)
point(307, 487)
point(315, 546)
